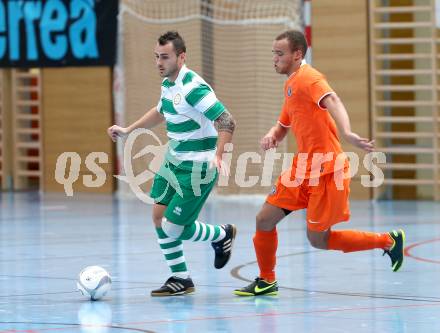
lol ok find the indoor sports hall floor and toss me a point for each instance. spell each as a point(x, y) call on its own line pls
point(45, 241)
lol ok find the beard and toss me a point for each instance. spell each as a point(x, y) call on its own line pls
point(168, 72)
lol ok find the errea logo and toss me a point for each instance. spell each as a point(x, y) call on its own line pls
point(177, 210)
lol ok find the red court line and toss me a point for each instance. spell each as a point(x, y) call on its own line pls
point(36, 330)
point(279, 314)
point(410, 247)
point(125, 326)
point(253, 315)
point(23, 331)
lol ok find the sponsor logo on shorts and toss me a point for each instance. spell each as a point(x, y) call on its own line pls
point(177, 210)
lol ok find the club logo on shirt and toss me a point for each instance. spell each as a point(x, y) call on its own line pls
point(273, 190)
point(177, 99)
point(289, 91)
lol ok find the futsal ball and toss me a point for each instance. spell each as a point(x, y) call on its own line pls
point(94, 282)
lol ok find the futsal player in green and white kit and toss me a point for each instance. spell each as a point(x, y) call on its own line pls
point(198, 127)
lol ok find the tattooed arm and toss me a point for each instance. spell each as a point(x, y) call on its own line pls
point(225, 125)
point(225, 122)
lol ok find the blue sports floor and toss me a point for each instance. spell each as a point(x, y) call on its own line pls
point(46, 240)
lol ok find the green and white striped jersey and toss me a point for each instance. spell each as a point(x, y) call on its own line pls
point(190, 107)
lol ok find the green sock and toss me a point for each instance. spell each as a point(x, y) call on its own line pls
point(202, 232)
point(172, 249)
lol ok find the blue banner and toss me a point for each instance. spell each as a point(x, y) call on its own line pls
point(53, 33)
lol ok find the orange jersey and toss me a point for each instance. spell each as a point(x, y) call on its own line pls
point(313, 127)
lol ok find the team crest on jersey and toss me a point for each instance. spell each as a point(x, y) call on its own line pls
point(273, 190)
point(289, 91)
point(177, 99)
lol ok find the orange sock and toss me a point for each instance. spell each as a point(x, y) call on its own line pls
point(353, 240)
point(266, 243)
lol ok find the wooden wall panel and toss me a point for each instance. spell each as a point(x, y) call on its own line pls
point(77, 110)
point(6, 125)
point(340, 51)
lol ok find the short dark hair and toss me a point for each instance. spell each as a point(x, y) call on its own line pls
point(175, 38)
point(297, 40)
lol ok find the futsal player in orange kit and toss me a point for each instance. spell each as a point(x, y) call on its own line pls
point(314, 114)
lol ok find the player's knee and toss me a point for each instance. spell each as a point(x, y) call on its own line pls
point(170, 229)
point(157, 220)
point(264, 223)
point(317, 242)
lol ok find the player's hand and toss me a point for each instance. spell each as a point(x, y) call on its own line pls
point(116, 131)
point(221, 166)
point(268, 142)
point(357, 141)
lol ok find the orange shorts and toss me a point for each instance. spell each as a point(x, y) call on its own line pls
point(325, 198)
